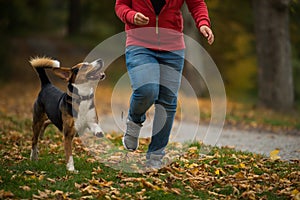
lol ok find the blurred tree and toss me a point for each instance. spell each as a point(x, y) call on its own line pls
point(99, 19)
point(275, 77)
point(233, 50)
point(74, 19)
point(295, 40)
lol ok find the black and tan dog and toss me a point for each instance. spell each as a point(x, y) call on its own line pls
point(71, 112)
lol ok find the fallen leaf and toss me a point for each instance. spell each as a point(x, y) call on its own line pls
point(96, 171)
point(190, 166)
point(90, 189)
point(296, 194)
point(150, 185)
point(51, 180)
point(58, 192)
point(91, 160)
point(274, 155)
point(242, 165)
point(41, 177)
point(219, 171)
point(6, 194)
point(87, 197)
point(42, 194)
point(28, 172)
point(239, 176)
point(25, 188)
point(176, 191)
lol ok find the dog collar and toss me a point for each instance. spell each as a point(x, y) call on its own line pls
point(73, 93)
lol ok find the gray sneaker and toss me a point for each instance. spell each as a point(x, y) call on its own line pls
point(154, 161)
point(131, 137)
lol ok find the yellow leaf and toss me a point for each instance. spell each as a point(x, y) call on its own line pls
point(217, 172)
point(222, 171)
point(295, 192)
point(242, 166)
point(194, 171)
point(191, 166)
point(41, 177)
point(239, 176)
point(192, 149)
point(274, 154)
point(33, 177)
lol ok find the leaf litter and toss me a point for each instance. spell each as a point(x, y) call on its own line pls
point(222, 173)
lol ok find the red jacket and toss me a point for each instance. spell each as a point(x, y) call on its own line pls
point(163, 32)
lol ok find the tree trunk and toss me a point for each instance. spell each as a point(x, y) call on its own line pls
point(74, 17)
point(275, 78)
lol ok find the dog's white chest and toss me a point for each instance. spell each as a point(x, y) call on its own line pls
point(86, 112)
point(87, 121)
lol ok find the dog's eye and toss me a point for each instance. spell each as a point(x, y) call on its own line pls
point(84, 66)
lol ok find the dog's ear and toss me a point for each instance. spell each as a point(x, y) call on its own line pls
point(63, 73)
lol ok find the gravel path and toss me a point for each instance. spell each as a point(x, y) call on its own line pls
point(256, 142)
point(263, 143)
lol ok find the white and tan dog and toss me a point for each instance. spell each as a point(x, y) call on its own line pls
point(72, 112)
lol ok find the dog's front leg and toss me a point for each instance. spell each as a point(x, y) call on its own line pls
point(69, 133)
point(96, 129)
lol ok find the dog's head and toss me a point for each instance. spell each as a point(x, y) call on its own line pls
point(82, 73)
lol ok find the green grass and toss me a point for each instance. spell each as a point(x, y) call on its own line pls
point(221, 173)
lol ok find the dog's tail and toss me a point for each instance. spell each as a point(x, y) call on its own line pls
point(42, 63)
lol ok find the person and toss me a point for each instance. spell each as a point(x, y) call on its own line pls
point(154, 59)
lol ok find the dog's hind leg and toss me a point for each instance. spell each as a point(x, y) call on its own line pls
point(39, 118)
point(45, 125)
point(69, 133)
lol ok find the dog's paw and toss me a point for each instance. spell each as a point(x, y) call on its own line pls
point(73, 171)
point(99, 134)
point(70, 166)
point(34, 155)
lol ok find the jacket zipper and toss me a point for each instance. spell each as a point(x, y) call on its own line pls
point(156, 18)
point(157, 31)
point(156, 24)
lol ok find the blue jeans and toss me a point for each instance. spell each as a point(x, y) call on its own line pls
point(155, 79)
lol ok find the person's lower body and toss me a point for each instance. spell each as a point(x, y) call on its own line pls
point(155, 79)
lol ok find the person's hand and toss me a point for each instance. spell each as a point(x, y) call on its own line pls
point(140, 19)
point(207, 32)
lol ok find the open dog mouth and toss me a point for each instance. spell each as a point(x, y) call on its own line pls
point(96, 75)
